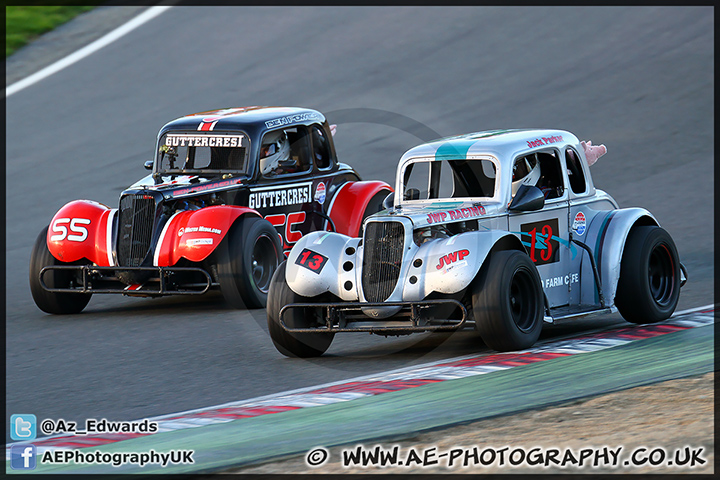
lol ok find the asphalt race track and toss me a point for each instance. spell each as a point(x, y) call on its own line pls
point(639, 80)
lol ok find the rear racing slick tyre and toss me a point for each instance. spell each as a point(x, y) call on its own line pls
point(53, 302)
point(247, 260)
point(507, 301)
point(301, 345)
point(649, 284)
point(374, 206)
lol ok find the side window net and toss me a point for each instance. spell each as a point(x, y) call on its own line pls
point(551, 179)
point(321, 150)
point(575, 171)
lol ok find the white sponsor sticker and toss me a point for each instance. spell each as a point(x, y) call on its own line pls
point(191, 242)
point(454, 266)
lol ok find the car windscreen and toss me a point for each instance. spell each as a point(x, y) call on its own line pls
point(203, 153)
point(462, 178)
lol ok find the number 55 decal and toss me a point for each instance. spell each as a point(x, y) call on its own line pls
point(311, 260)
point(295, 218)
point(80, 233)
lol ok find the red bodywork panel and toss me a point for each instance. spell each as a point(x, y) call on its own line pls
point(194, 234)
point(350, 202)
point(83, 229)
point(80, 230)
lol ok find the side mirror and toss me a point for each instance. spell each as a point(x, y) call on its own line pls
point(149, 165)
point(389, 201)
point(527, 199)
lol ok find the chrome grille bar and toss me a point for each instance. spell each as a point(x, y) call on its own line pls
point(383, 247)
point(137, 215)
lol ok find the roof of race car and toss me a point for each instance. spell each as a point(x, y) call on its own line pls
point(505, 145)
point(249, 119)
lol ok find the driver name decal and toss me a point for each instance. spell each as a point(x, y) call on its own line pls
point(287, 120)
point(539, 142)
point(188, 140)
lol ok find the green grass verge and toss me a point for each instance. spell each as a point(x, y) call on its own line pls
point(24, 24)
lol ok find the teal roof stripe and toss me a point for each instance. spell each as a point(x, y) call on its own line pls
point(457, 147)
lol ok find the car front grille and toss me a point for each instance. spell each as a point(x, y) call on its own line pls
point(137, 214)
point(384, 243)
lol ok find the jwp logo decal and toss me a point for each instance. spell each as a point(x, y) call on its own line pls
point(450, 258)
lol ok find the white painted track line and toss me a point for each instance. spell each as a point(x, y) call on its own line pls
point(693, 310)
point(101, 42)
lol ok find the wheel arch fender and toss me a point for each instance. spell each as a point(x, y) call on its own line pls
point(195, 234)
point(450, 265)
point(82, 229)
point(349, 203)
point(315, 265)
point(606, 237)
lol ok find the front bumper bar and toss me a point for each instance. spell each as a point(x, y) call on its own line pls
point(348, 317)
point(162, 280)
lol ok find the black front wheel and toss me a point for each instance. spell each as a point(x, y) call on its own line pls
point(649, 286)
point(507, 301)
point(53, 302)
point(248, 258)
point(301, 345)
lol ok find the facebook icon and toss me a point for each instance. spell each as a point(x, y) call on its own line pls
point(23, 457)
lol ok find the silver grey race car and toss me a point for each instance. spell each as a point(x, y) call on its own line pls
point(500, 230)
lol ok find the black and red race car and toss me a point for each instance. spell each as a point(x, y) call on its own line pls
point(230, 191)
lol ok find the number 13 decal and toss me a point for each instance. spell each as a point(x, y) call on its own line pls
point(538, 237)
point(545, 253)
point(311, 260)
